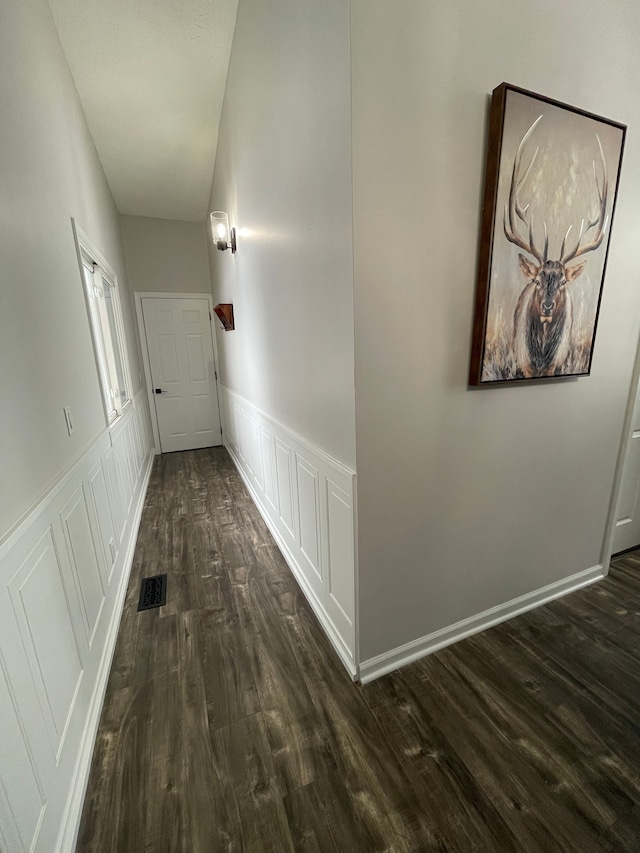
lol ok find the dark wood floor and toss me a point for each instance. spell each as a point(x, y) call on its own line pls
point(229, 724)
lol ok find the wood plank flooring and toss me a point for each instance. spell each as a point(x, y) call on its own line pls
point(229, 724)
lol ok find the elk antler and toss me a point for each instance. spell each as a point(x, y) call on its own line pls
point(513, 208)
point(600, 218)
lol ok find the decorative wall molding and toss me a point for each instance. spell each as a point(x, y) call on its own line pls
point(63, 576)
point(307, 501)
point(388, 661)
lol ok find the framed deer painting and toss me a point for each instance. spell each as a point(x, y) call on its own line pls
point(551, 181)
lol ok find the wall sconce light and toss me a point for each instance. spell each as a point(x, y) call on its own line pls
point(223, 236)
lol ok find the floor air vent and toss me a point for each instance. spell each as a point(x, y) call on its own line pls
point(153, 592)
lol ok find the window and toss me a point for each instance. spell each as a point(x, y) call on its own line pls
point(108, 337)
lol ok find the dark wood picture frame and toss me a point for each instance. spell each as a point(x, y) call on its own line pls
point(524, 327)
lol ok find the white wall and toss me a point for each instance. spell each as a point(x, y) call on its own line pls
point(165, 255)
point(49, 172)
point(470, 498)
point(65, 563)
point(283, 174)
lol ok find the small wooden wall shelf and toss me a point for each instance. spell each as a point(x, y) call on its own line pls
point(224, 313)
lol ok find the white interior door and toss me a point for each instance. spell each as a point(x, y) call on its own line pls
point(627, 532)
point(180, 348)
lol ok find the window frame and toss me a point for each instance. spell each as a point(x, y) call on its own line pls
point(89, 257)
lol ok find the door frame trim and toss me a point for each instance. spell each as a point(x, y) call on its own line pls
point(625, 440)
point(138, 296)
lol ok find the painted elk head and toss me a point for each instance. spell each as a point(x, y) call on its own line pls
point(544, 314)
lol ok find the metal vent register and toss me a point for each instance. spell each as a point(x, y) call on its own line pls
point(153, 592)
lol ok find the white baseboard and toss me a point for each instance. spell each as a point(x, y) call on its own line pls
point(73, 813)
point(409, 652)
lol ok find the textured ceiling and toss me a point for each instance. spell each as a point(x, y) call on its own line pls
point(151, 77)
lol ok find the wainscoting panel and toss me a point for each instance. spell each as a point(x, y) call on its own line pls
point(46, 626)
point(116, 490)
point(257, 453)
point(339, 537)
point(309, 516)
point(63, 576)
point(268, 461)
point(103, 515)
point(243, 420)
point(285, 486)
point(22, 797)
point(85, 556)
point(306, 499)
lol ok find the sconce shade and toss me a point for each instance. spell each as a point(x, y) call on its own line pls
point(223, 236)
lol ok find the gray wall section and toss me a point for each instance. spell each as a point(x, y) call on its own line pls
point(283, 173)
point(470, 498)
point(165, 255)
point(49, 172)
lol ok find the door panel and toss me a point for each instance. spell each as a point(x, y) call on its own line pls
point(201, 408)
point(173, 418)
point(169, 371)
point(178, 333)
point(195, 355)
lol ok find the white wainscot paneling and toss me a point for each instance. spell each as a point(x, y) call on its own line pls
point(243, 438)
point(21, 796)
point(306, 498)
point(130, 454)
point(63, 576)
point(119, 457)
point(103, 513)
point(85, 555)
point(267, 451)
point(256, 454)
point(46, 628)
point(341, 601)
point(285, 485)
point(114, 489)
point(309, 517)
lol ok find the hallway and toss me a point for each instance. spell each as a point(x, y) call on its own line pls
point(230, 725)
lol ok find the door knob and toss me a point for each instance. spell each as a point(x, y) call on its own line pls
point(158, 390)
